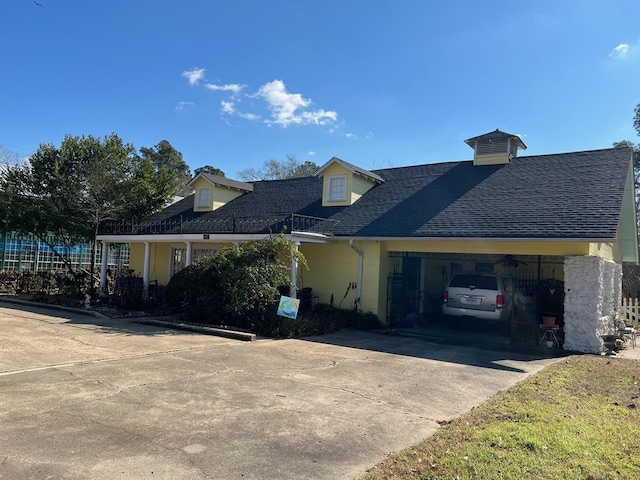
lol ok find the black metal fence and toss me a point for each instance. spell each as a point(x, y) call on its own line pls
point(232, 224)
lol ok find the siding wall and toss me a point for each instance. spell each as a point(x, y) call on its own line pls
point(360, 186)
point(333, 266)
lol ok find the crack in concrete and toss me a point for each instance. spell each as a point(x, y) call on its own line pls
point(362, 395)
point(188, 458)
point(100, 360)
point(93, 345)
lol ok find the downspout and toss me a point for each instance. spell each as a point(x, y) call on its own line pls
point(293, 290)
point(360, 268)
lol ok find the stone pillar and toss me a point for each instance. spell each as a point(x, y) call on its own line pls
point(591, 301)
point(608, 309)
point(145, 271)
point(103, 268)
point(617, 288)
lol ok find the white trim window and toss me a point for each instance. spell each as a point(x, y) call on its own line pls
point(204, 197)
point(178, 260)
point(179, 257)
point(337, 188)
point(202, 253)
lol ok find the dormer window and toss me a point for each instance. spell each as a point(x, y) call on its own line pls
point(211, 192)
point(337, 188)
point(204, 197)
point(343, 183)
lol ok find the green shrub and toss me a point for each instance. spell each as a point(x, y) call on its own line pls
point(48, 281)
point(322, 319)
point(236, 286)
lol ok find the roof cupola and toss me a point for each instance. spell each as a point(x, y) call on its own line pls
point(495, 148)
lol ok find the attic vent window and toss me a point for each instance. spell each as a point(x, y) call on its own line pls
point(491, 147)
point(337, 188)
point(203, 197)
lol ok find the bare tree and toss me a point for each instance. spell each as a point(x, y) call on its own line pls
point(279, 170)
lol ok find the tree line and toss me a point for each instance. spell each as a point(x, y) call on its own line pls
point(636, 157)
point(65, 192)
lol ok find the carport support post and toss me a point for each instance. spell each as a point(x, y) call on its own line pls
point(189, 258)
point(145, 271)
point(294, 270)
point(103, 268)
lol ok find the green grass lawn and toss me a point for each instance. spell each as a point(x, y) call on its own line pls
point(576, 419)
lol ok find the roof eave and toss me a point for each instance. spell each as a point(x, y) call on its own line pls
point(478, 239)
point(241, 187)
point(361, 172)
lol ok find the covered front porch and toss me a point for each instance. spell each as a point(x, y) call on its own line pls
point(161, 249)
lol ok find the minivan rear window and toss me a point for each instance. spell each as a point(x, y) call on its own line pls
point(484, 282)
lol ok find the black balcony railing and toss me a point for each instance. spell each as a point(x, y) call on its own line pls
point(293, 222)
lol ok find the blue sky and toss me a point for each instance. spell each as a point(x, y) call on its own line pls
point(233, 83)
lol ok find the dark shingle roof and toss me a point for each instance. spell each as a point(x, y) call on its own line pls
point(562, 196)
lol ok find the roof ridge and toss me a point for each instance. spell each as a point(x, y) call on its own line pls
point(523, 157)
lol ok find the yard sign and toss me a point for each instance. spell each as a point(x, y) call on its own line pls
point(288, 307)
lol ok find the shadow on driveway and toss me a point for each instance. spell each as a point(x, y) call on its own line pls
point(425, 348)
point(73, 316)
point(463, 353)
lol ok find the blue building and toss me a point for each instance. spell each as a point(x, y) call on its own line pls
point(26, 253)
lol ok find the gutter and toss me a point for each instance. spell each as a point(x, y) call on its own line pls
point(477, 239)
point(360, 269)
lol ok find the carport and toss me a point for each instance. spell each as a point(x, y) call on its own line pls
point(418, 279)
point(580, 294)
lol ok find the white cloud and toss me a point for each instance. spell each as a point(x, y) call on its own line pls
point(249, 116)
point(230, 109)
point(227, 107)
point(183, 105)
point(288, 108)
point(620, 51)
point(351, 135)
point(626, 53)
point(283, 108)
point(311, 153)
point(230, 87)
point(194, 75)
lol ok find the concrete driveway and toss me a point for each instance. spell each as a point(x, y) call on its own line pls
point(82, 397)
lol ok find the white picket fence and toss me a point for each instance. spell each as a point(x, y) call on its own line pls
point(630, 311)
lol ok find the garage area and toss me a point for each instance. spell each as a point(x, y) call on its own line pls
point(534, 295)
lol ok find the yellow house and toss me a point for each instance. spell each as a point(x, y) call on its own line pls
point(387, 241)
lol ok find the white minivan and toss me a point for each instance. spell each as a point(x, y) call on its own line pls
point(487, 296)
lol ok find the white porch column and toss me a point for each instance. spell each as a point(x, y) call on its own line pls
point(294, 270)
point(189, 258)
point(103, 268)
point(145, 274)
